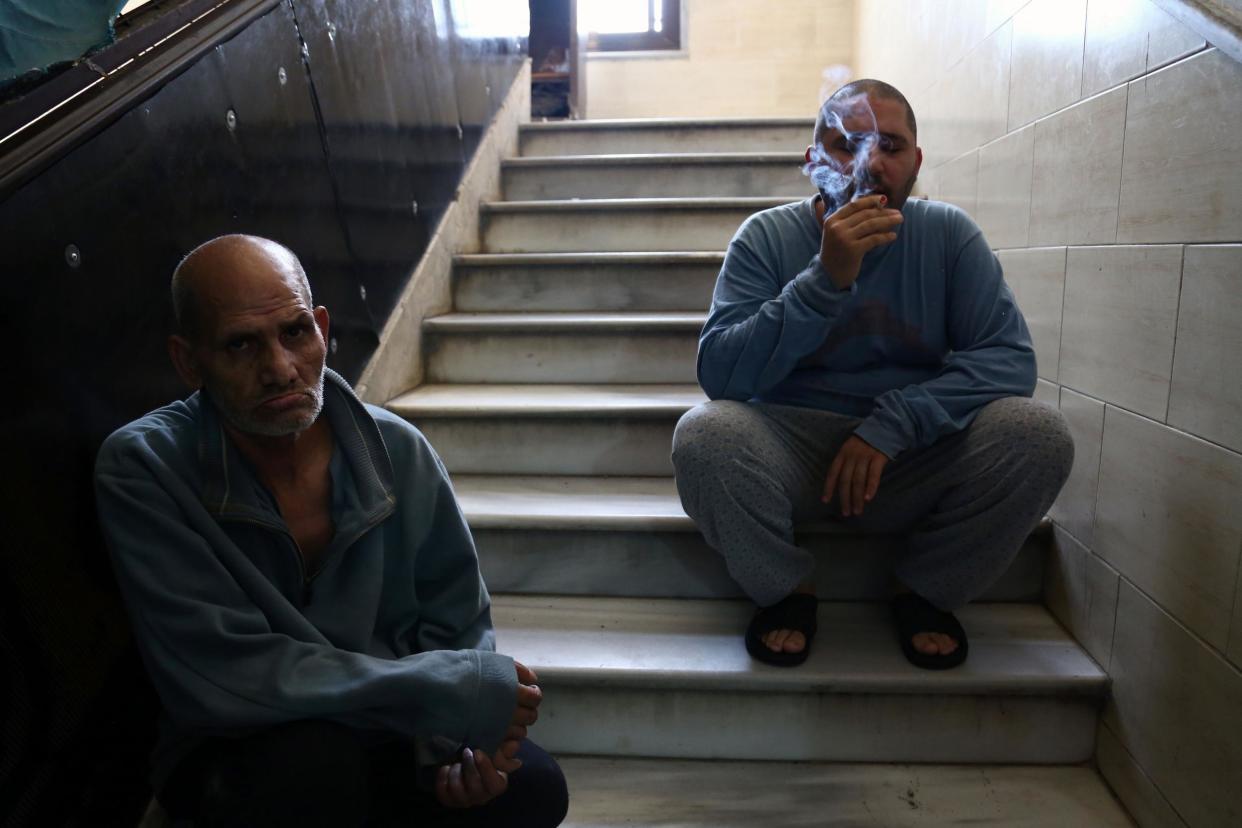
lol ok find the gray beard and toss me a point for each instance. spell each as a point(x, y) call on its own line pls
point(244, 423)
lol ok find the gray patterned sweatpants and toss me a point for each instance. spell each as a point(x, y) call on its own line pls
point(748, 472)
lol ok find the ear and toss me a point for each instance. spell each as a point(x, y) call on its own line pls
point(321, 321)
point(809, 149)
point(918, 159)
point(182, 355)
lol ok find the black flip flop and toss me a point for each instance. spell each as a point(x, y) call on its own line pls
point(794, 612)
point(915, 614)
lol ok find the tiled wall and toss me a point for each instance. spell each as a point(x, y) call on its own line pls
point(1096, 142)
point(742, 58)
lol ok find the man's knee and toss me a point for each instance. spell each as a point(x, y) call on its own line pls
point(538, 796)
point(1033, 432)
point(708, 434)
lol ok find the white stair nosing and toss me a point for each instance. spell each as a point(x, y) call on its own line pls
point(754, 203)
point(713, 257)
point(481, 400)
point(652, 159)
point(554, 322)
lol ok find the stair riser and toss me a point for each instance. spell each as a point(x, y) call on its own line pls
point(597, 230)
point(595, 288)
point(656, 181)
point(603, 721)
point(552, 445)
point(682, 565)
point(562, 357)
point(772, 138)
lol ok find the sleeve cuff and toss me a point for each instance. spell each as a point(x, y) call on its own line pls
point(497, 697)
point(880, 438)
point(814, 287)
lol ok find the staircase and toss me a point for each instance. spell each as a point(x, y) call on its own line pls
point(551, 393)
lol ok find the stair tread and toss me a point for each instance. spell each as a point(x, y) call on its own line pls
point(550, 321)
point(1015, 649)
point(645, 158)
point(660, 123)
point(579, 502)
point(492, 399)
point(610, 792)
point(560, 205)
point(712, 257)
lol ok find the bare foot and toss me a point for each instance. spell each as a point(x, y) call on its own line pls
point(929, 643)
point(789, 641)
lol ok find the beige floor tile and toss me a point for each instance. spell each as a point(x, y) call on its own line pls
point(1126, 38)
point(1075, 507)
point(1005, 188)
point(1175, 709)
point(958, 182)
point(685, 794)
point(1118, 324)
point(1206, 395)
point(1168, 519)
point(1132, 785)
point(1037, 277)
point(1081, 591)
point(1047, 59)
point(1181, 180)
point(1076, 175)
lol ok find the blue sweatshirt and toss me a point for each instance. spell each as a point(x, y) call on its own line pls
point(391, 634)
point(927, 335)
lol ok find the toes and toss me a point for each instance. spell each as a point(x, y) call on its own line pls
point(795, 643)
point(945, 643)
point(926, 643)
point(777, 642)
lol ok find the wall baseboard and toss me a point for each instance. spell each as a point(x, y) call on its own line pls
point(397, 364)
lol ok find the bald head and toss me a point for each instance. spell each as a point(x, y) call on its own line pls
point(227, 267)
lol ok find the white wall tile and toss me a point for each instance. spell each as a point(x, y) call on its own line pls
point(1075, 507)
point(1181, 180)
point(1047, 58)
point(1126, 38)
point(1005, 188)
point(1076, 177)
point(1081, 591)
point(1118, 324)
point(958, 182)
point(1037, 277)
point(973, 101)
point(1132, 785)
point(1206, 395)
point(1047, 393)
point(1174, 707)
point(1168, 518)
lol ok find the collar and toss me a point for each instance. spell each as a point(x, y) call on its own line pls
point(231, 491)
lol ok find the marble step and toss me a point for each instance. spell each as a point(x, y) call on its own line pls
point(584, 281)
point(550, 429)
point(635, 224)
point(671, 678)
point(651, 135)
point(656, 175)
point(629, 537)
point(610, 792)
point(655, 347)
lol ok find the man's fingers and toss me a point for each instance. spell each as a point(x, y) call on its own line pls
point(529, 695)
point(506, 757)
point(525, 716)
point(442, 794)
point(515, 734)
point(882, 223)
point(494, 781)
point(875, 240)
point(845, 486)
point(470, 778)
point(858, 487)
point(850, 208)
point(456, 791)
point(873, 476)
point(525, 674)
point(834, 471)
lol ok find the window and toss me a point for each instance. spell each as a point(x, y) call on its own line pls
point(631, 25)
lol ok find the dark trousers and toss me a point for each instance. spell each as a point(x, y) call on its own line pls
point(317, 773)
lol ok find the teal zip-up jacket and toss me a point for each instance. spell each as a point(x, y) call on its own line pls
point(927, 335)
point(391, 634)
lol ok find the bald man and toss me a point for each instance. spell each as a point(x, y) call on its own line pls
point(302, 584)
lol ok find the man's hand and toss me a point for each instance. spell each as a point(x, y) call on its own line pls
point(854, 475)
point(525, 713)
point(850, 232)
point(470, 782)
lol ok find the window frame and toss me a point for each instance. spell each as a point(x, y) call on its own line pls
point(667, 40)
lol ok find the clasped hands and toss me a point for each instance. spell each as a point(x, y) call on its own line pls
point(476, 778)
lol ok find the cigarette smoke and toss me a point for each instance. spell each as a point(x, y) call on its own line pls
point(840, 182)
